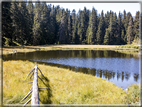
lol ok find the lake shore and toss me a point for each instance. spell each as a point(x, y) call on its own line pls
point(17, 49)
point(65, 86)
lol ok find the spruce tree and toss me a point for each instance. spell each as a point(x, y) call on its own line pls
point(80, 25)
point(73, 25)
point(106, 37)
point(89, 34)
point(94, 25)
point(53, 27)
point(100, 31)
point(69, 27)
point(111, 29)
point(123, 31)
point(30, 9)
point(15, 22)
point(119, 29)
point(6, 24)
point(136, 28)
point(45, 24)
point(130, 36)
point(24, 22)
point(63, 37)
point(126, 25)
point(37, 24)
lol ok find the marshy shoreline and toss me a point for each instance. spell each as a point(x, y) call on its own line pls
point(66, 87)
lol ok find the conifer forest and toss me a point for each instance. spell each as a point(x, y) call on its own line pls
point(41, 24)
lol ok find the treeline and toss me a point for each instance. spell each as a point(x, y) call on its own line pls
point(41, 24)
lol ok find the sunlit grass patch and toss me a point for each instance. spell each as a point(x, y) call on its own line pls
point(65, 86)
point(129, 46)
point(133, 94)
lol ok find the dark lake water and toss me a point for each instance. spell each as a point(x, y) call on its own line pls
point(121, 69)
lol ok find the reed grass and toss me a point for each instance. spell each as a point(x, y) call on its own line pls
point(65, 86)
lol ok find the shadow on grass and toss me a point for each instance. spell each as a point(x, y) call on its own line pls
point(45, 94)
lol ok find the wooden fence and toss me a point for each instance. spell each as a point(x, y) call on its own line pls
point(35, 89)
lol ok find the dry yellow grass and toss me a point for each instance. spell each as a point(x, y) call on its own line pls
point(66, 87)
point(7, 50)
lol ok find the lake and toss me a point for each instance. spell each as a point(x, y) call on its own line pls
point(121, 69)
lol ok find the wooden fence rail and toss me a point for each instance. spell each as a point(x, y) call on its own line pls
point(35, 89)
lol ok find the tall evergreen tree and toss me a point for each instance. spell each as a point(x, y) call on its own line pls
point(119, 29)
point(126, 25)
point(106, 37)
point(94, 24)
point(37, 24)
point(85, 23)
point(136, 28)
point(73, 25)
point(30, 8)
point(45, 25)
point(69, 27)
point(15, 21)
point(111, 29)
point(89, 34)
point(130, 36)
point(63, 28)
point(53, 27)
point(24, 22)
point(123, 31)
point(6, 24)
point(100, 31)
point(80, 26)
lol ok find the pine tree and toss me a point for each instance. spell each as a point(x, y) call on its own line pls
point(111, 29)
point(69, 27)
point(136, 28)
point(89, 34)
point(119, 29)
point(73, 26)
point(63, 28)
point(130, 36)
point(53, 27)
point(80, 26)
point(107, 17)
point(106, 37)
point(123, 31)
point(115, 29)
point(126, 25)
point(100, 31)
point(45, 24)
point(15, 22)
point(85, 23)
point(24, 22)
point(30, 9)
point(94, 25)
point(37, 24)
point(6, 24)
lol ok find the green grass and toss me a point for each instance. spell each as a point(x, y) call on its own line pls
point(129, 46)
point(9, 49)
point(65, 86)
point(133, 94)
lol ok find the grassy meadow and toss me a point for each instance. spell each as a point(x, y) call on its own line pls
point(120, 48)
point(65, 86)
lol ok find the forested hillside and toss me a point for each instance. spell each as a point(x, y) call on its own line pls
point(40, 24)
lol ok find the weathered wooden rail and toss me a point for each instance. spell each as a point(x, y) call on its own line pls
point(35, 89)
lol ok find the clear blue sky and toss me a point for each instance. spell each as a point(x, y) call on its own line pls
point(115, 7)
